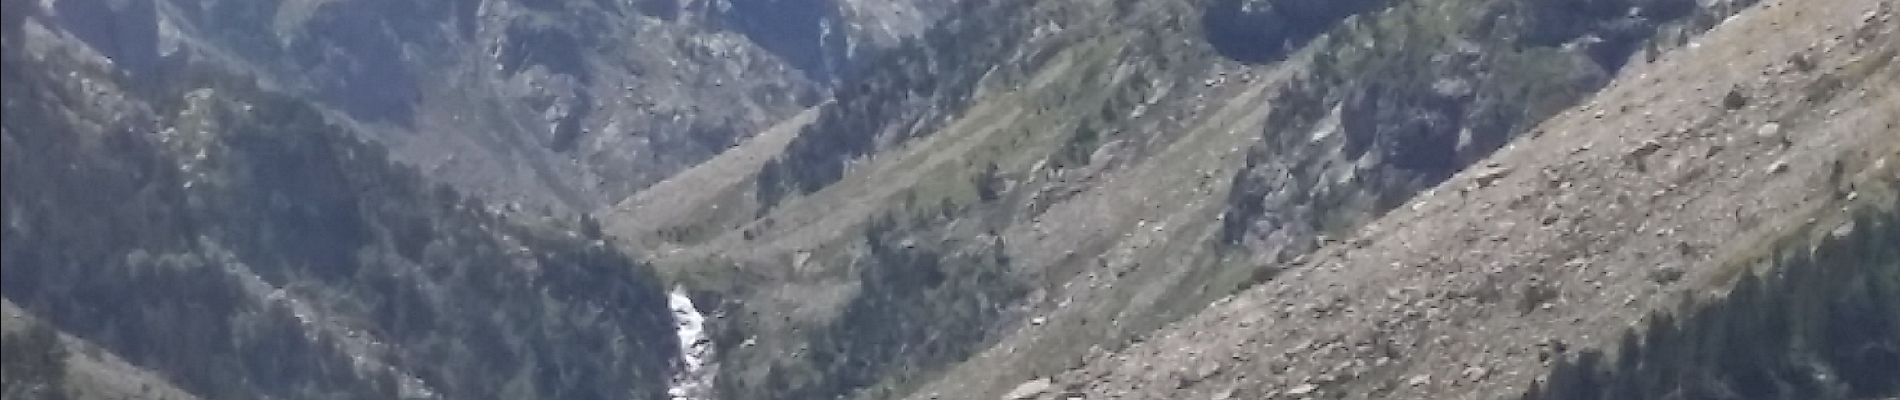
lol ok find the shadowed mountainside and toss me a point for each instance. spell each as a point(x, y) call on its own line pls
point(236, 244)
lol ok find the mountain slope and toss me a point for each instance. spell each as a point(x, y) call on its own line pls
point(1032, 199)
point(1659, 188)
point(565, 104)
point(1106, 169)
point(208, 231)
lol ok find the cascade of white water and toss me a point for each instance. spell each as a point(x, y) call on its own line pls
point(693, 380)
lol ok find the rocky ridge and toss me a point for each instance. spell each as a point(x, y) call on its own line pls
point(1659, 188)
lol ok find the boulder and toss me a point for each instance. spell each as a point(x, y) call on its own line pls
point(1029, 390)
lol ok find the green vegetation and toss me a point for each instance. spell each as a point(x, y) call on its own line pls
point(1112, 96)
point(240, 246)
point(908, 91)
point(918, 309)
point(32, 364)
point(1822, 323)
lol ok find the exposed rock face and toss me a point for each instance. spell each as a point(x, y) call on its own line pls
point(1257, 31)
point(569, 104)
point(563, 103)
point(1423, 102)
point(1608, 30)
point(827, 39)
point(807, 34)
point(124, 31)
point(1478, 287)
point(1028, 390)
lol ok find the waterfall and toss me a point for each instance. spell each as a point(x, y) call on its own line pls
point(693, 379)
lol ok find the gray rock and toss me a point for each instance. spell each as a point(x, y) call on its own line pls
point(1843, 231)
point(1779, 166)
point(1647, 148)
point(1666, 274)
point(1769, 130)
point(1303, 389)
point(1734, 100)
point(1029, 390)
point(1491, 174)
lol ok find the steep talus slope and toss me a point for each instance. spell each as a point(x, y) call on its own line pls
point(235, 243)
point(1662, 187)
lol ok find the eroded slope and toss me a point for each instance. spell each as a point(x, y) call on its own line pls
point(947, 229)
point(1658, 188)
